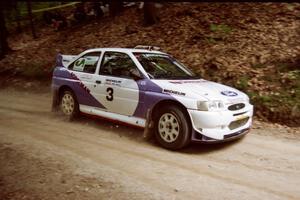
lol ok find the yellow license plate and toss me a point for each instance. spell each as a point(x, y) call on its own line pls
point(241, 117)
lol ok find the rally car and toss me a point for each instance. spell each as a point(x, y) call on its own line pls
point(147, 88)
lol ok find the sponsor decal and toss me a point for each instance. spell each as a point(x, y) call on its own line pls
point(173, 92)
point(234, 101)
point(113, 82)
point(229, 93)
point(80, 83)
point(188, 81)
point(86, 76)
point(79, 64)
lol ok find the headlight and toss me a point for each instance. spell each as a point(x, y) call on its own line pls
point(210, 105)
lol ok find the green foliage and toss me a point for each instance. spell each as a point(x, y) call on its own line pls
point(265, 98)
point(34, 70)
point(290, 7)
point(282, 67)
point(220, 28)
point(35, 6)
point(11, 13)
point(210, 40)
point(242, 83)
point(294, 75)
point(258, 66)
point(251, 94)
point(283, 99)
point(219, 33)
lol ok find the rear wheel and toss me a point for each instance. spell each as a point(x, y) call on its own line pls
point(172, 128)
point(69, 105)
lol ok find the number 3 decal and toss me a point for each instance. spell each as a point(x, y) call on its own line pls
point(110, 96)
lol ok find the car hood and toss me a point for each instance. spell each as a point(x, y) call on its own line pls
point(201, 89)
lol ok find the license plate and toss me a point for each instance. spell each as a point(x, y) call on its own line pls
point(241, 117)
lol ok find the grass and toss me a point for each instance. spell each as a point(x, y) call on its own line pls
point(242, 83)
point(220, 28)
point(210, 40)
point(220, 32)
point(35, 71)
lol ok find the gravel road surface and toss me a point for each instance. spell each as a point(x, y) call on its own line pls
point(43, 156)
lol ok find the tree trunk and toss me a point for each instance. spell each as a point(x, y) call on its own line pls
point(18, 19)
point(4, 48)
point(115, 7)
point(150, 14)
point(29, 10)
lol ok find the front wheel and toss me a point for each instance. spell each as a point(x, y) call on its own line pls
point(172, 128)
point(69, 105)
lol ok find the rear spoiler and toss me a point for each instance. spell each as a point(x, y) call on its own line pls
point(63, 60)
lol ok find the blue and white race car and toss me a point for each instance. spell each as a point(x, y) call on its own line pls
point(147, 88)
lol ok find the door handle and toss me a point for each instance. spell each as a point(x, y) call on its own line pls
point(98, 82)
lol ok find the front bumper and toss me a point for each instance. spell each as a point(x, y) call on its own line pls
point(222, 125)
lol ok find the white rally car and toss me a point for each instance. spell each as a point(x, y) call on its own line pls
point(150, 89)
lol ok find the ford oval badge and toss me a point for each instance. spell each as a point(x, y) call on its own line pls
point(229, 93)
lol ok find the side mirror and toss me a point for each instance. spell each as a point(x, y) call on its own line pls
point(135, 74)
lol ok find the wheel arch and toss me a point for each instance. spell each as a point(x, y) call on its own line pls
point(164, 103)
point(153, 111)
point(63, 88)
point(60, 92)
point(57, 93)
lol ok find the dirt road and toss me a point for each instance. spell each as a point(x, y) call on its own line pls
point(43, 156)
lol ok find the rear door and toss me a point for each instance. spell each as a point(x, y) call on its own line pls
point(84, 69)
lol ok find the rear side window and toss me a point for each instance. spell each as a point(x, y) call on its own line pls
point(87, 63)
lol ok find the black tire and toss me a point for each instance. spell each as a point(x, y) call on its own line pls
point(68, 105)
point(165, 130)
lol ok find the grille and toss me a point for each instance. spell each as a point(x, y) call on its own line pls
point(237, 106)
point(236, 114)
point(238, 123)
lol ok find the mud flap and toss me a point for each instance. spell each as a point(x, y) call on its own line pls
point(148, 131)
point(55, 101)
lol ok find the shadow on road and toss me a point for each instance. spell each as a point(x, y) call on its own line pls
point(136, 134)
point(201, 148)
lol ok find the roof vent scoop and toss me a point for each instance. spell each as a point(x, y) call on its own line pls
point(150, 48)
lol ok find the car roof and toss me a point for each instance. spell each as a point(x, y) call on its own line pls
point(125, 50)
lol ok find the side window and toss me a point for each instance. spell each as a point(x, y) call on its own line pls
point(118, 64)
point(87, 63)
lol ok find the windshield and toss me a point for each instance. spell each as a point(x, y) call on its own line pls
point(162, 66)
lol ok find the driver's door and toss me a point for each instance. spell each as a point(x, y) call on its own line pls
point(116, 88)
